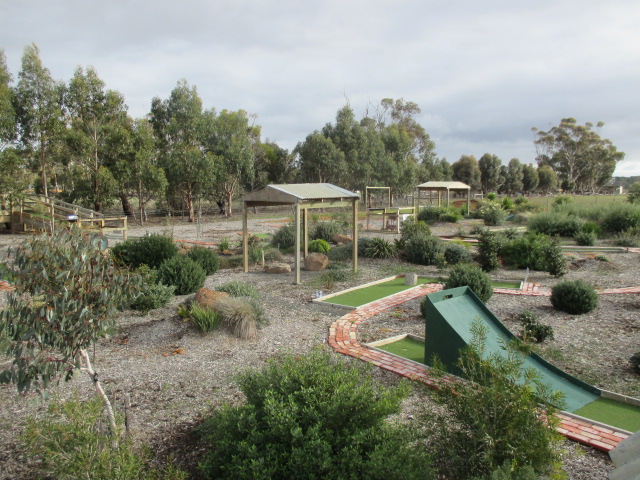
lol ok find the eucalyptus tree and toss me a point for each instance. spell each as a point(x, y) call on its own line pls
point(96, 117)
point(319, 160)
point(515, 174)
point(38, 102)
point(232, 140)
point(489, 165)
point(530, 178)
point(577, 153)
point(547, 179)
point(466, 170)
point(7, 111)
point(180, 124)
point(274, 164)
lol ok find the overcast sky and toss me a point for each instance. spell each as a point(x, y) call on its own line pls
point(483, 73)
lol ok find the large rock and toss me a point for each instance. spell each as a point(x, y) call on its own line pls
point(315, 262)
point(339, 239)
point(277, 268)
point(207, 298)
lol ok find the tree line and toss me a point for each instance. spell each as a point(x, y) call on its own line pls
point(76, 140)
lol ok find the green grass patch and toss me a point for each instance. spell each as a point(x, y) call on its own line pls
point(611, 412)
point(361, 296)
point(505, 284)
point(408, 348)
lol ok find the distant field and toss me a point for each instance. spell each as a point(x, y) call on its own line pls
point(580, 200)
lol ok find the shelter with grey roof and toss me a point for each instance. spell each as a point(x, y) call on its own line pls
point(439, 188)
point(302, 197)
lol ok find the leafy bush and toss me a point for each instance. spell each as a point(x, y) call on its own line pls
point(238, 289)
point(622, 218)
point(293, 425)
point(379, 248)
point(150, 250)
point(206, 258)
point(152, 294)
point(285, 237)
point(629, 238)
point(555, 224)
point(575, 297)
point(635, 362)
point(474, 278)
point(183, 273)
point(69, 444)
point(224, 245)
point(329, 278)
point(231, 261)
point(325, 231)
point(493, 420)
point(425, 250)
point(341, 253)
point(320, 246)
point(273, 255)
point(6, 273)
point(204, 318)
point(536, 251)
point(455, 253)
point(489, 246)
point(492, 213)
point(439, 214)
point(411, 228)
point(585, 239)
point(533, 329)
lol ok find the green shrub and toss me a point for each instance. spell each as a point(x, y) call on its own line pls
point(439, 214)
point(411, 228)
point(630, 238)
point(532, 329)
point(575, 297)
point(152, 296)
point(204, 318)
point(455, 253)
point(231, 261)
point(536, 251)
point(183, 273)
point(590, 227)
point(555, 224)
point(379, 248)
point(238, 314)
point(341, 253)
point(150, 250)
point(285, 237)
point(489, 246)
point(585, 239)
point(492, 213)
point(6, 273)
point(494, 419)
point(325, 231)
point(621, 219)
point(635, 362)
point(293, 425)
point(273, 255)
point(238, 289)
point(224, 245)
point(425, 250)
point(319, 246)
point(329, 278)
point(69, 442)
point(206, 258)
point(474, 278)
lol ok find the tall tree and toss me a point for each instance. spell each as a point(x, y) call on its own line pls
point(489, 172)
point(530, 178)
point(466, 170)
point(7, 111)
point(39, 110)
point(320, 160)
point(515, 173)
point(547, 179)
point(577, 153)
point(179, 124)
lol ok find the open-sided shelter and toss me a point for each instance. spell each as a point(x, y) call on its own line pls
point(302, 197)
point(441, 187)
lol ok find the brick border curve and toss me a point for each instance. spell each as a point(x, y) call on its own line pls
point(343, 339)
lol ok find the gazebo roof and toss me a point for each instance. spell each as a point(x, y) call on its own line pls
point(444, 186)
point(298, 193)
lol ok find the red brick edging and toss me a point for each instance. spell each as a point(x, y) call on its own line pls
point(343, 339)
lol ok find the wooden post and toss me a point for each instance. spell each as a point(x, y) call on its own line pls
point(305, 230)
point(297, 246)
point(469, 201)
point(355, 236)
point(245, 238)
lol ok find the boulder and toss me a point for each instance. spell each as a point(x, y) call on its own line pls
point(315, 262)
point(277, 268)
point(207, 298)
point(339, 239)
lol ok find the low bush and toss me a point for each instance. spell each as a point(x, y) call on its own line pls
point(439, 214)
point(183, 273)
point(204, 318)
point(69, 442)
point(455, 253)
point(532, 329)
point(379, 248)
point(555, 224)
point(635, 362)
point(285, 237)
point(535, 251)
point(325, 231)
point(341, 253)
point(206, 258)
point(411, 228)
point(474, 278)
point(574, 297)
point(622, 218)
point(293, 425)
point(630, 238)
point(329, 278)
point(489, 246)
point(231, 261)
point(585, 239)
point(492, 213)
point(319, 246)
point(238, 314)
point(150, 250)
point(152, 295)
point(238, 289)
point(425, 250)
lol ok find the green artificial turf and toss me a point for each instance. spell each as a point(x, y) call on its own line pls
point(408, 347)
point(505, 284)
point(356, 298)
point(611, 412)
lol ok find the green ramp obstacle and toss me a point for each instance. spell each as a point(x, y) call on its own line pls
point(449, 315)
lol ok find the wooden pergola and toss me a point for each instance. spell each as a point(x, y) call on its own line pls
point(302, 196)
point(441, 187)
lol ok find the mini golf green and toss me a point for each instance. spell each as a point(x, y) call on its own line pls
point(408, 348)
point(361, 296)
point(612, 412)
point(505, 284)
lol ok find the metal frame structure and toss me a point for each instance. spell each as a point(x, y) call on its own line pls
point(441, 187)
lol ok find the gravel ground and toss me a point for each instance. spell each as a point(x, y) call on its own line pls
point(174, 374)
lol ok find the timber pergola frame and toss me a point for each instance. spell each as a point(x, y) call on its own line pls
point(443, 187)
point(302, 197)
